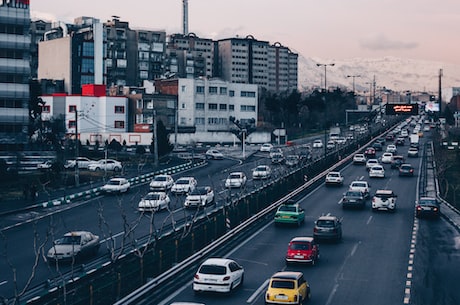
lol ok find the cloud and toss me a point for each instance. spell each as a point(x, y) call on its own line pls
point(381, 42)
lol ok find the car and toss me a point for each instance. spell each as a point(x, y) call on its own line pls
point(397, 161)
point(106, 165)
point(275, 151)
point(266, 147)
point(352, 199)
point(73, 246)
point(390, 137)
point(292, 160)
point(184, 185)
point(406, 169)
point(218, 275)
point(236, 180)
point(305, 155)
point(404, 133)
point(369, 152)
point(426, 128)
point(83, 163)
point(162, 182)
point(287, 287)
point(377, 171)
point(412, 152)
point(317, 143)
point(361, 186)
point(400, 141)
point(277, 158)
point(214, 154)
point(377, 146)
point(334, 178)
point(290, 212)
point(199, 197)
point(45, 166)
point(341, 140)
point(391, 148)
point(153, 202)
point(384, 200)
point(328, 227)
point(359, 159)
point(427, 207)
point(116, 185)
point(386, 158)
point(302, 250)
point(330, 144)
point(371, 162)
point(261, 172)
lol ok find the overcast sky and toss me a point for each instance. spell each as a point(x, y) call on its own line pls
point(326, 29)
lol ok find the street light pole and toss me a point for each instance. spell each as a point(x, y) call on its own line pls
point(325, 104)
point(353, 76)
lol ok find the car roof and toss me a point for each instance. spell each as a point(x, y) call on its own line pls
point(302, 239)
point(77, 233)
point(217, 261)
point(327, 217)
point(291, 275)
point(384, 192)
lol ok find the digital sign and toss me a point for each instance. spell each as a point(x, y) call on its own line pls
point(432, 106)
point(407, 109)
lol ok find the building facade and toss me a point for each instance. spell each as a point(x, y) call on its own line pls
point(14, 73)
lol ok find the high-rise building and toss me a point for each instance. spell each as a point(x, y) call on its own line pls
point(283, 71)
point(38, 28)
point(14, 73)
point(150, 54)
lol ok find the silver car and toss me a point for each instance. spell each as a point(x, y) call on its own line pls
point(74, 245)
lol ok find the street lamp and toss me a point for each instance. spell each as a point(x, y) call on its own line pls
point(325, 105)
point(353, 76)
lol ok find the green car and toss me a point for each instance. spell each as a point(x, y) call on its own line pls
point(290, 213)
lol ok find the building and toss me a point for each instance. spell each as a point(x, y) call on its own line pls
point(150, 53)
point(14, 73)
point(282, 68)
point(38, 28)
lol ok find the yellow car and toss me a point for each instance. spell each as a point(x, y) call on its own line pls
point(287, 287)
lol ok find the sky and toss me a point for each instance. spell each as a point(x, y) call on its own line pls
point(326, 29)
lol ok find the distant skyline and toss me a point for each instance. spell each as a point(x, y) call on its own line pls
point(329, 29)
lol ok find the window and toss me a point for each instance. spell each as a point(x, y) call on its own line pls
point(248, 94)
point(200, 89)
point(119, 124)
point(72, 124)
point(248, 108)
point(183, 106)
point(231, 107)
point(223, 90)
point(199, 121)
point(212, 90)
point(212, 107)
point(231, 93)
point(222, 107)
point(183, 121)
point(46, 109)
point(119, 109)
point(72, 108)
point(199, 106)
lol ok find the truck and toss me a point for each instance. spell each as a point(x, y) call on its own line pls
point(414, 140)
point(334, 133)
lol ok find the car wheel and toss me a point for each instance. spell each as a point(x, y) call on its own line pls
point(116, 169)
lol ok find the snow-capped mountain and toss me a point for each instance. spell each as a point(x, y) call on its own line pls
point(390, 72)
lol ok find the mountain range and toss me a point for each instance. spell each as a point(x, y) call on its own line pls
point(392, 73)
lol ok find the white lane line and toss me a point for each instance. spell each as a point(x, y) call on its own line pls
point(369, 220)
point(331, 295)
point(3, 283)
point(355, 247)
point(257, 292)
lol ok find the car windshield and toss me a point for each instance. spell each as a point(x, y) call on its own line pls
point(152, 197)
point(213, 269)
point(160, 178)
point(199, 191)
point(182, 181)
point(261, 169)
point(114, 182)
point(333, 175)
point(300, 246)
point(287, 208)
point(384, 196)
point(69, 240)
point(283, 284)
point(358, 185)
point(325, 223)
point(428, 202)
point(234, 176)
point(353, 194)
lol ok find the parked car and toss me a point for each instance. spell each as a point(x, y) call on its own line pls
point(290, 213)
point(261, 172)
point(162, 182)
point(377, 171)
point(384, 200)
point(73, 246)
point(154, 201)
point(427, 207)
point(361, 186)
point(334, 178)
point(83, 163)
point(236, 180)
point(406, 170)
point(199, 197)
point(352, 199)
point(412, 152)
point(328, 227)
point(359, 159)
point(218, 275)
point(287, 287)
point(302, 250)
point(386, 158)
point(214, 154)
point(317, 144)
point(116, 185)
point(106, 165)
point(184, 185)
point(397, 161)
point(266, 147)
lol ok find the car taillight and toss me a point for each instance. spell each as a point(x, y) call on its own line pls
point(418, 208)
point(411, 170)
point(315, 229)
point(226, 278)
point(435, 209)
point(197, 276)
point(295, 298)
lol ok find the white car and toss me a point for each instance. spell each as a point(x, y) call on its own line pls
point(199, 197)
point(334, 178)
point(83, 163)
point(377, 171)
point(106, 164)
point(412, 152)
point(317, 144)
point(116, 185)
point(218, 275)
point(47, 165)
point(330, 144)
point(391, 148)
point(359, 159)
point(371, 162)
point(362, 186)
point(266, 147)
point(275, 151)
point(261, 172)
point(236, 180)
point(73, 246)
point(384, 200)
point(184, 185)
point(154, 201)
point(161, 183)
point(386, 158)
point(214, 154)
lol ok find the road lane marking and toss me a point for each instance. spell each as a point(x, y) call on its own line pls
point(3, 283)
point(331, 295)
point(257, 292)
point(369, 220)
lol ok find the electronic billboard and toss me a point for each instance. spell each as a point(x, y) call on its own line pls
point(407, 109)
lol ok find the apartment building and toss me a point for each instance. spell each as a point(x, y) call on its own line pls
point(282, 66)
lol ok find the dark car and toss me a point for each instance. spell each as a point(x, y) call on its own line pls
point(427, 207)
point(353, 199)
point(369, 152)
point(406, 170)
point(377, 146)
point(390, 137)
point(396, 161)
point(400, 141)
point(328, 227)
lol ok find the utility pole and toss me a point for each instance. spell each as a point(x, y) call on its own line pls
point(155, 139)
point(439, 92)
point(325, 105)
point(77, 153)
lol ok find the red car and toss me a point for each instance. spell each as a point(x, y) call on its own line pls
point(370, 152)
point(302, 250)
